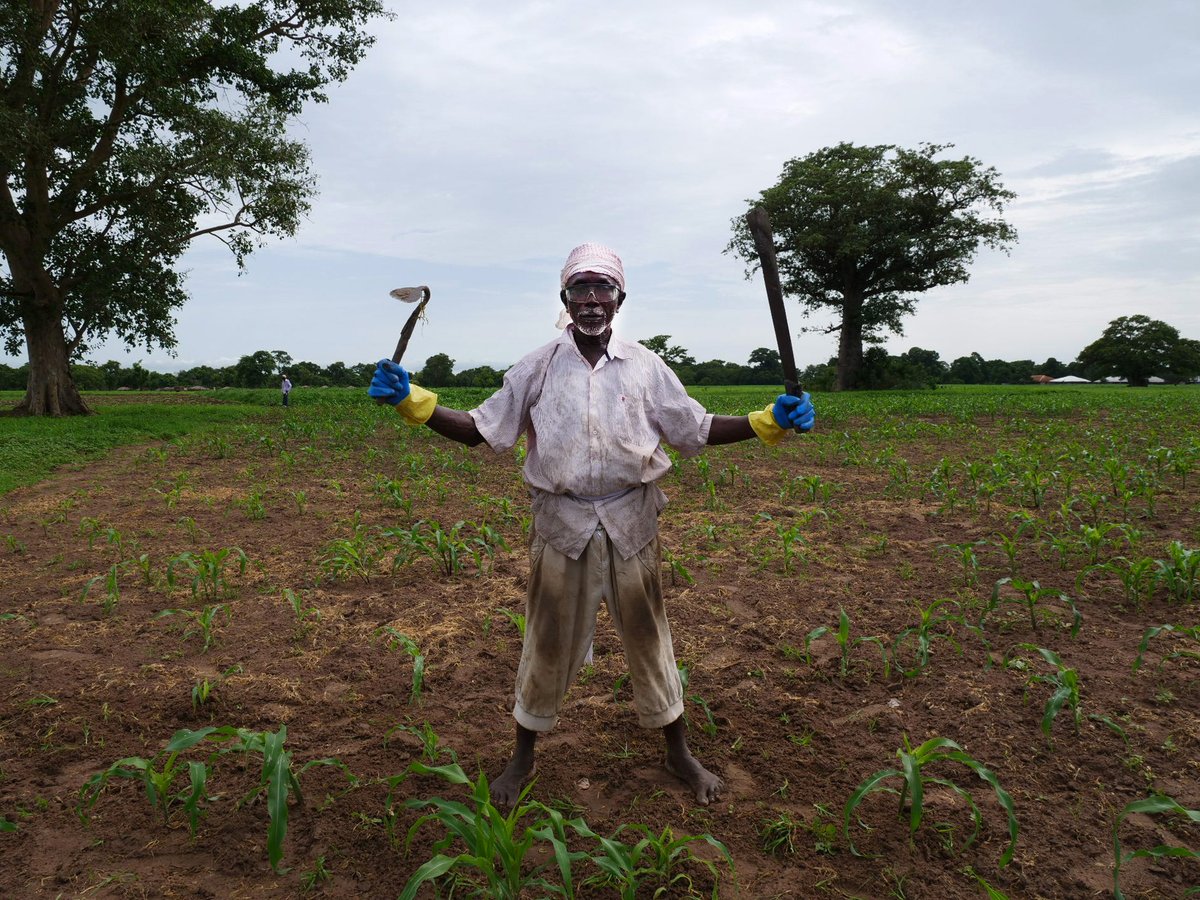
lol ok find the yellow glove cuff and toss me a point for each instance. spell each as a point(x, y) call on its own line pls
point(418, 406)
point(764, 425)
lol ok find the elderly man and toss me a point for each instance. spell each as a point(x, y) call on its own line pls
point(594, 410)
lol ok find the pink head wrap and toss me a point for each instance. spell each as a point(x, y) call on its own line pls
point(593, 258)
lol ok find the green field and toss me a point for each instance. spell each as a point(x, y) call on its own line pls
point(305, 623)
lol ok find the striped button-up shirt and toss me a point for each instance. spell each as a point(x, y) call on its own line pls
point(593, 439)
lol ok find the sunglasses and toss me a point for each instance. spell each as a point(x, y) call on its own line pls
point(603, 293)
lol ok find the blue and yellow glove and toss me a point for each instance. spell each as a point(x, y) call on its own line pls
point(390, 384)
point(786, 413)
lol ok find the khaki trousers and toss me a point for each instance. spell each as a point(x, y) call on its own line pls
point(560, 620)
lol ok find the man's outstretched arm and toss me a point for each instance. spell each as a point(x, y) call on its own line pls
point(730, 430)
point(455, 424)
point(769, 425)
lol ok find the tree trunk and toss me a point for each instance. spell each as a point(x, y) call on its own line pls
point(850, 351)
point(51, 390)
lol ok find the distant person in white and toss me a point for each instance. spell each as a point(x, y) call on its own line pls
point(594, 410)
point(286, 387)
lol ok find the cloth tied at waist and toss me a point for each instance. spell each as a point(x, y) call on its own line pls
point(613, 496)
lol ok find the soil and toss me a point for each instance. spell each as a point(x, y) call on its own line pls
point(81, 687)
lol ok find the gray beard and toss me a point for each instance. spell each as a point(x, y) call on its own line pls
point(592, 331)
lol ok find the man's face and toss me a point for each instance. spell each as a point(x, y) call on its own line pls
point(592, 302)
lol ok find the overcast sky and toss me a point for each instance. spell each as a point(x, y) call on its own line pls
point(479, 142)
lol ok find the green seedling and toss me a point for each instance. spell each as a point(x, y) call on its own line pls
point(158, 776)
point(202, 690)
point(621, 680)
point(991, 892)
point(116, 540)
point(352, 557)
point(1036, 483)
point(1182, 466)
point(965, 553)
point(112, 588)
point(676, 568)
point(90, 527)
point(14, 545)
point(656, 865)
point(1153, 805)
point(1094, 538)
point(845, 642)
point(277, 780)
point(397, 491)
point(1066, 687)
point(449, 548)
point(1064, 545)
point(143, 564)
point(1033, 597)
point(432, 748)
point(1180, 573)
point(518, 619)
point(1011, 547)
point(188, 524)
point(199, 622)
point(206, 571)
point(495, 847)
point(302, 613)
point(174, 493)
point(396, 639)
point(1182, 631)
point(914, 781)
point(937, 622)
point(252, 504)
point(316, 876)
point(792, 539)
point(899, 478)
point(1136, 577)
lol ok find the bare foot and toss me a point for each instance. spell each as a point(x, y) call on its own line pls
point(706, 786)
point(508, 784)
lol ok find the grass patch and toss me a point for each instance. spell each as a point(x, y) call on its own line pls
point(32, 447)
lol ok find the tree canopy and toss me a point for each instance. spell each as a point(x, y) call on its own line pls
point(864, 230)
point(673, 356)
point(129, 128)
point(1138, 347)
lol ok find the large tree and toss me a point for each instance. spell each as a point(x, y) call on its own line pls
point(129, 128)
point(864, 230)
point(1137, 347)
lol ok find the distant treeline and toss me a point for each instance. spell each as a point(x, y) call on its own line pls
point(916, 368)
point(919, 368)
point(258, 370)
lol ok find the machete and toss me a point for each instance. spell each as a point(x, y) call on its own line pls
point(764, 242)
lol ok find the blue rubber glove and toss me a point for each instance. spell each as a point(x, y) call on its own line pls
point(390, 383)
point(794, 412)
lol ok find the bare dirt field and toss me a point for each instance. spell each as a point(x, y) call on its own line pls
point(756, 560)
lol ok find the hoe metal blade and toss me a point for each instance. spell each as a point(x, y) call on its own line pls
point(419, 295)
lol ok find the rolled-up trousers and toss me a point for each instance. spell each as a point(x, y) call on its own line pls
point(560, 621)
